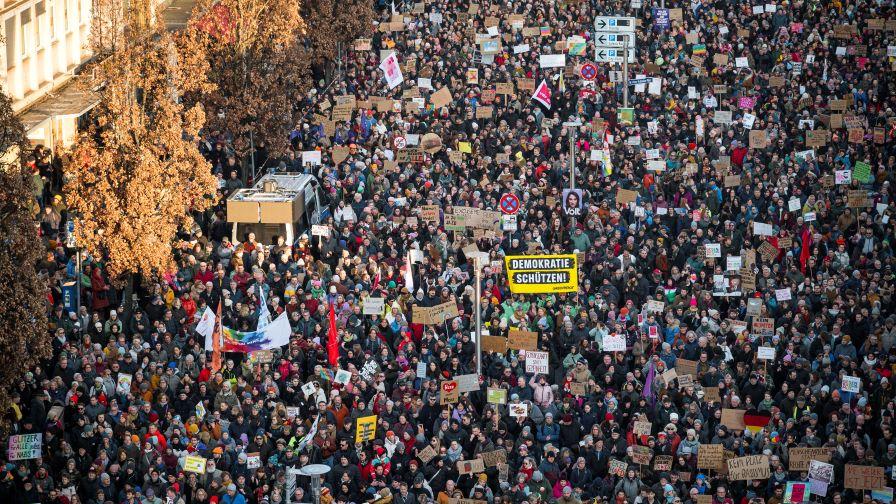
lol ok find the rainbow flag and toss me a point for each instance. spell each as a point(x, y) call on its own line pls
point(274, 335)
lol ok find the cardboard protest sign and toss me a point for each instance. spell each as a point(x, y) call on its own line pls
point(449, 392)
point(494, 343)
point(626, 196)
point(642, 428)
point(801, 458)
point(749, 468)
point(733, 419)
point(641, 454)
point(471, 466)
point(662, 463)
point(522, 340)
point(859, 477)
point(617, 467)
point(493, 458)
point(427, 454)
point(686, 367)
point(711, 456)
point(432, 315)
point(441, 98)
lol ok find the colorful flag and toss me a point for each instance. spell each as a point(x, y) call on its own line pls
point(755, 420)
point(274, 335)
point(392, 71)
point(333, 339)
point(543, 94)
point(264, 314)
point(206, 327)
point(408, 273)
point(216, 341)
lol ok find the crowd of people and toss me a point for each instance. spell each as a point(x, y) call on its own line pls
point(735, 228)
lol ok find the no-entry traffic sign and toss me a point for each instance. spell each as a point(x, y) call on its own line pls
point(588, 71)
point(510, 204)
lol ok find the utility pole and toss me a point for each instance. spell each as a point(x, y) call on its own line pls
point(625, 70)
point(477, 262)
point(572, 129)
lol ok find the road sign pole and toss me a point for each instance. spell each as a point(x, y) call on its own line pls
point(625, 71)
point(478, 264)
point(572, 158)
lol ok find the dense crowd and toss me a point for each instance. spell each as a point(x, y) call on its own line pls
point(745, 207)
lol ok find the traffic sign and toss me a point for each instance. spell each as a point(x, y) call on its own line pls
point(612, 54)
point(588, 71)
point(612, 39)
point(400, 142)
point(614, 23)
point(510, 204)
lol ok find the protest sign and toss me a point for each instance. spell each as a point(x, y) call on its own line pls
point(430, 315)
point(642, 428)
point(496, 395)
point(858, 477)
point(373, 305)
point(733, 419)
point(493, 458)
point(450, 393)
point(365, 429)
point(536, 362)
point(613, 343)
point(749, 468)
point(522, 340)
point(471, 466)
point(467, 382)
point(494, 343)
point(24, 446)
point(711, 456)
point(641, 454)
point(801, 457)
point(195, 464)
point(543, 274)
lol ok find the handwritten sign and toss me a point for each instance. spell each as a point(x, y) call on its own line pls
point(25, 446)
point(750, 468)
point(801, 458)
point(711, 456)
point(864, 477)
point(522, 340)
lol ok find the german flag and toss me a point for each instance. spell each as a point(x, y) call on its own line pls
point(755, 420)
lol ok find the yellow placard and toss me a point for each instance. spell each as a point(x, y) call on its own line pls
point(366, 429)
point(194, 464)
point(542, 274)
point(465, 147)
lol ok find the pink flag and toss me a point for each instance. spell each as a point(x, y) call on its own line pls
point(543, 94)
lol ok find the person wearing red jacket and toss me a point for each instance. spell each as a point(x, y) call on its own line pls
point(154, 432)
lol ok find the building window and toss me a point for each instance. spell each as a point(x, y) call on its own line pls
point(27, 33)
point(11, 40)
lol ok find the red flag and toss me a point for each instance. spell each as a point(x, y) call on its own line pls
point(216, 341)
point(543, 94)
point(333, 339)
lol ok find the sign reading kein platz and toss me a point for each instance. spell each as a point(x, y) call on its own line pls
point(542, 274)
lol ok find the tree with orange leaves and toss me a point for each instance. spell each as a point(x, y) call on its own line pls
point(137, 174)
point(258, 65)
point(25, 339)
point(331, 23)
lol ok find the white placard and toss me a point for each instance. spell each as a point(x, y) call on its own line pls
point(308, 389)
point(320, 230)
point(421, 369)
point(842, 177)
point(748, 120)
point(613, 343)
point(733, 263)
point(765, 353)
point(713, 250)
point(851, 384)
point(518, 410)
point(741, 62)
point(470, 382)
point(794, 204)
point(311, 157)
point(552, 61)
point(373, 305)
point(783, 294)
point(520, 49)
point(424, 83)
point(536, 362)
point(25, 446)
point(763, 229)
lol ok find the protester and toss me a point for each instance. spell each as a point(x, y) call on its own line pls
point(747, 265)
